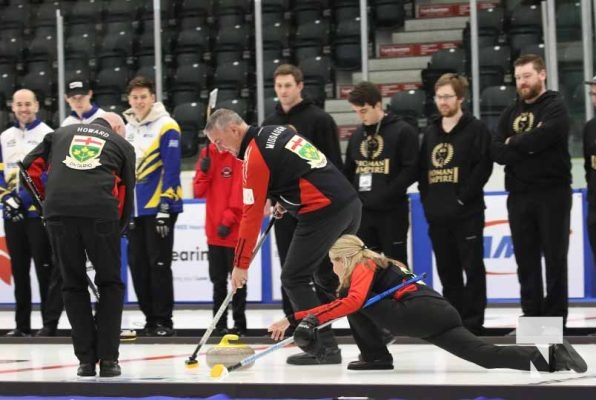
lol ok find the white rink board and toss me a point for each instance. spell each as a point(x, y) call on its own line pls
point(501, 268)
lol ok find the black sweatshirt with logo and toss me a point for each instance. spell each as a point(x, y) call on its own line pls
point(532, 143)
point(453, 169)
point(590, 159)
point(389, 156)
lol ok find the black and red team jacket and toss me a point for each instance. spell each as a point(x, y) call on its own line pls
point(91, 172)
point(367, 281)
point(282, 165)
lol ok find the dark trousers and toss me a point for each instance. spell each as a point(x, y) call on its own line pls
point(284, 231)
point(540, 224)
point(150, 262)
point(73, 239)
point(307, 262)
point(433, 319)
point(27, 240)
point(221, 263)
point(459, 249)
point(54, 303)
point(387, 231)
point(592, 230)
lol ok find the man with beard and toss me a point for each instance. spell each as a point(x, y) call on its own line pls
point(381, 163)
point(454, 167)
point(532, 143)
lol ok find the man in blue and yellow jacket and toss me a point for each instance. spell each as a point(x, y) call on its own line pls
point(158, 201)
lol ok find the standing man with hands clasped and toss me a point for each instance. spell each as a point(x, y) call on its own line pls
point(532, 143)
point(381, 163)
point(319, 128)
point(282, 165)
point(26, 237)
point(455, 165)
point(218, 179)
point(87, 202)
point(158, 201)
point(589, 138)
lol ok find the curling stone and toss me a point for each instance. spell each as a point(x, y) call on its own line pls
point(228, 354)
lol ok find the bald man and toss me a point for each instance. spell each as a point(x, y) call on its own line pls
point(26, 237)
point(88, 201)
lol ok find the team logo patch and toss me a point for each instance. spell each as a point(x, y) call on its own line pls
point(306, 151)
point(84, 152)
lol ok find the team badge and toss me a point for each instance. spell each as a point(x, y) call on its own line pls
point(442, 155)
point(84, 152)
point(523, 122)
point(306, 151)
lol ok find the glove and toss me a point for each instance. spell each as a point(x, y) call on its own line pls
point(204, 164)
point(13, 208)
point(306, 336)
point(223, 231)
point(162, 221)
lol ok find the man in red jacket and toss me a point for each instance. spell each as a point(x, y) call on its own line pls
point(218, 180)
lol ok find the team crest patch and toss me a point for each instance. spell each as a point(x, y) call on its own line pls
point(84, 152)
point(306, 151)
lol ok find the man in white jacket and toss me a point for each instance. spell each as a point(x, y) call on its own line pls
point(26, 237)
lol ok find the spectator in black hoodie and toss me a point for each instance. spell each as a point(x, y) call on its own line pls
point(454, 167)
point(590, 167)
point(532, 143)
point(381, 163)
point(314, 124)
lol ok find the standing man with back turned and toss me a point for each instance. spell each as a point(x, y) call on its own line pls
point(532, 143)
point(286, 167)
point(87, 203)
point(319, 128)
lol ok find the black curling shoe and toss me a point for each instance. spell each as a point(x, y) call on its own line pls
point(109, 368)
point(361, 365)
point(86, 369)
point(565, 358)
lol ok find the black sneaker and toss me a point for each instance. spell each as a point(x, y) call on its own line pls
point(238, 331)
point(86, 369)
point(17, 333)
point(109, 368)
point(362, 365)
point(46, 331)
point(219, 332)
point(146, 331)
point(328, 356)
point(564, 357)
point(163, 331)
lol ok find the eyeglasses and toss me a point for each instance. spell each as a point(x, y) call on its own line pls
point(445, 97)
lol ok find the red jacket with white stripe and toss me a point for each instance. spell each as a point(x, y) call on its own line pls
point(282, 165)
